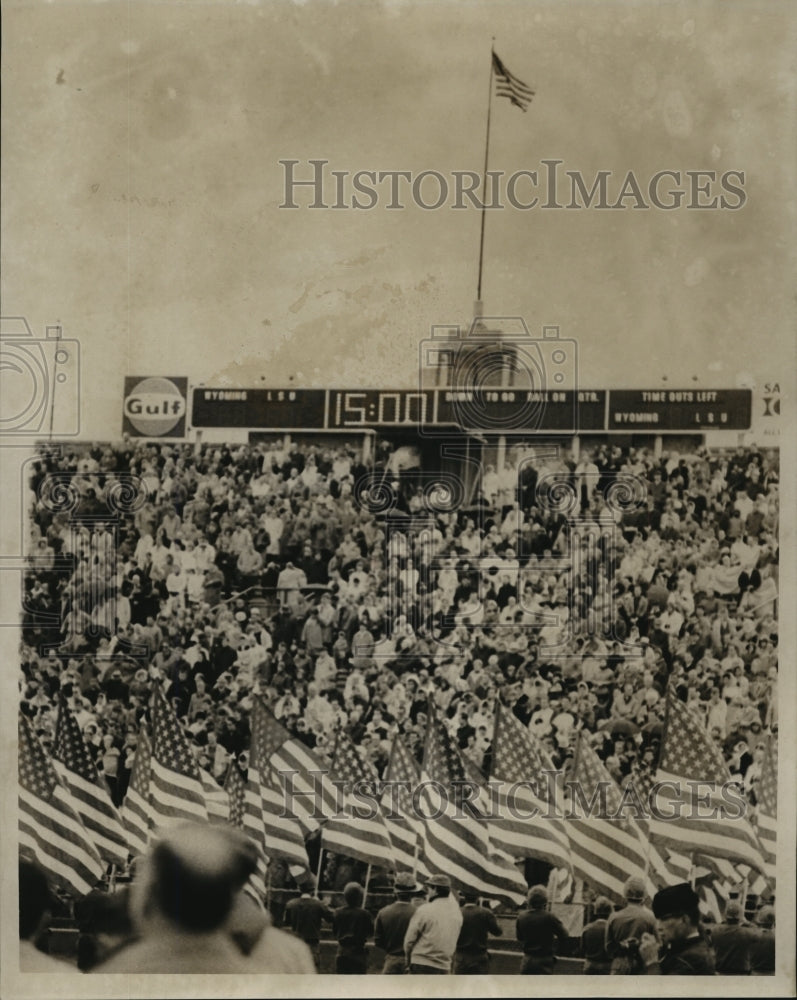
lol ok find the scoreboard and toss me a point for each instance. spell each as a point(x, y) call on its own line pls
point(680, 409)
point(495, 410)
point(260, 408)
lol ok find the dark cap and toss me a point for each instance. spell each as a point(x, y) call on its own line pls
point(675, 901)
point(440, 880)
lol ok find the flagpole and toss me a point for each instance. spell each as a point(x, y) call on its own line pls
point(496, 723)
point(484, 175)
point(318, 873)
point(367, 880)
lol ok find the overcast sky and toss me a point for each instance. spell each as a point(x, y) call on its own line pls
point(142, 184)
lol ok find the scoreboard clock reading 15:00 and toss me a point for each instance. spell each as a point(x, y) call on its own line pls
point(380, 408)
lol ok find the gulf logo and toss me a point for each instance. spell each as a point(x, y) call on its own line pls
point(155, 406)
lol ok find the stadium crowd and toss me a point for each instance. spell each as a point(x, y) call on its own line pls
point(229, 571)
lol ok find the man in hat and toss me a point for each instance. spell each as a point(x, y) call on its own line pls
point(628, 923)
point(733, 942)
point(763, 953)
point(392, 922)
point(305, 915)
point(685, 950)
point(538, 930)
point(433, 931)
point(472, 957)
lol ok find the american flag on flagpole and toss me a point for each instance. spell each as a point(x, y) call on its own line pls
point(518, 768)
point(301, 777)
point(660, 872)
point(136, 810)
point(90, 795)
point(716, 878)
point(236, 788)
point(404, 827)
point(691, 762)
point(605, 852)
point(457, 839)
point(756, 883)
point(510, 86)
point(50, 830)
point(267, 817)
point(359, 830)
point(176, 792)
point(767, 808)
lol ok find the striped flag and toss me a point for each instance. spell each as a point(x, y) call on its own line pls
point(50, 831)
point(359, 830)
point(90, 795)
point(236, 787)
point(284, 835)
point(692, 764)
point(767, 796)
point(728, 875)
point(301, 777)
point(605, 851)
point(216, 799)
point(660, 872)
point(404, 827)
point(508, 85)
point(266, 807)
point(136, 810)
point(722, 878)
point(756, 883)
point(176, 792)
point(680, 865)
point(720, 868)
point(695, 869)
point(700, 870)
point(519, 769)
point(457, 838)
